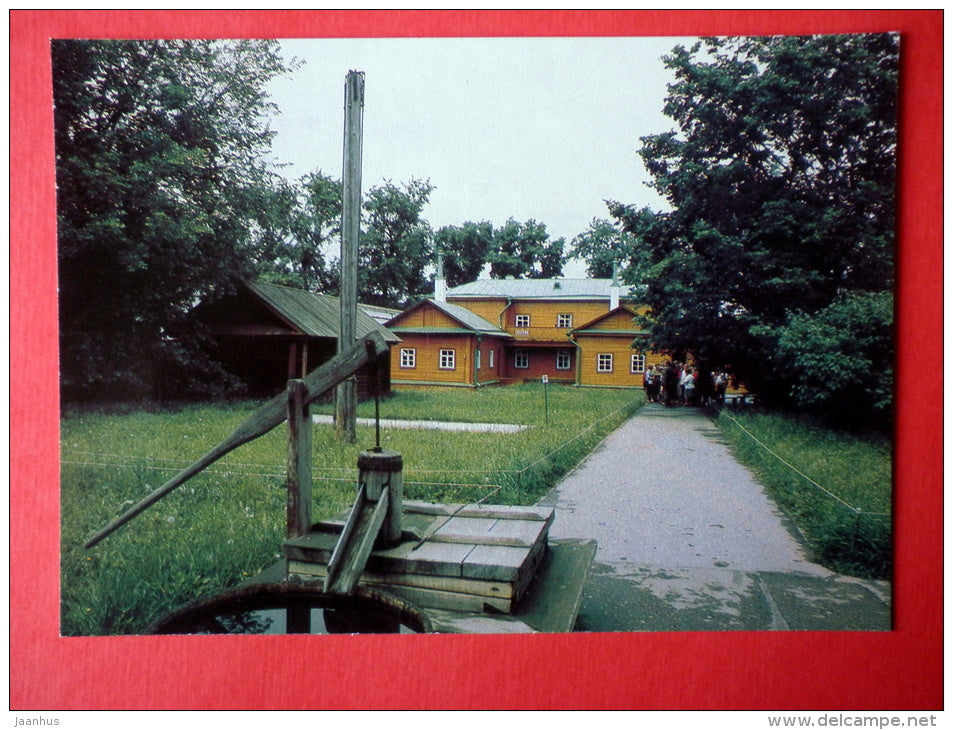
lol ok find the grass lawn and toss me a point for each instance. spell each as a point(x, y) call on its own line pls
point(227, 523)
point(836, 486)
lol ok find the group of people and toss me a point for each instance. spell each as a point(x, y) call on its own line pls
point(677, 383)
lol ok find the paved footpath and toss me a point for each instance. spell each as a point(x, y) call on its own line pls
point(688, 540)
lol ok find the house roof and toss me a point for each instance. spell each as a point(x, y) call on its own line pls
point(316, 315)
point(537, 289)
point(464, 316)
point(591, 328)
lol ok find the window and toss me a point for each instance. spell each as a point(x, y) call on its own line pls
point(521, 359)
point(490, 355)
point(479, 359)
point(408, 357)
point(564, 321)
point(448, 359)
point(638, 363)
point(522, 320)
point(604, 362)
point(563, 360)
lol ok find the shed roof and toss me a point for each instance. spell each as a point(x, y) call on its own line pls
point(316, 315)
point(537, 289)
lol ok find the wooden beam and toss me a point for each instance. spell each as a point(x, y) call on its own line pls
point(345, 404)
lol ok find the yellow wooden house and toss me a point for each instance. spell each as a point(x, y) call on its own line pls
point(539, 315)
point(445, 344)
point(501, 331)
point(613, 350)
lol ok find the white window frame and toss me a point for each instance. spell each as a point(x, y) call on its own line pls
point(521, 356)
point(408, 357)
point(604, 362)
point(564, 321)
point(637, 363)
point(563, 360)
point(448, 359)
point(490, 358)
point(522, 321)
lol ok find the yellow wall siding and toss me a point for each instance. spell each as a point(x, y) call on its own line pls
point(427, 359)
point(591, 346)
point(621, 319)
point(489, 309)
point(426, 316)
point(543, 318)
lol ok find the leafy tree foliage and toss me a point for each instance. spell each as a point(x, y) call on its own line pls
point(396, 244)
point(297, 224)
point(780, 179)
point(840, 358)
point(603, 245)
point(524, 250)
point(159, 163)
point(465, 250)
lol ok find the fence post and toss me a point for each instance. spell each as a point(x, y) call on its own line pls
point(853, 538)
point(299, 460)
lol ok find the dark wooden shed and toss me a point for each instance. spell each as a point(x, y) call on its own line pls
point(266, 334)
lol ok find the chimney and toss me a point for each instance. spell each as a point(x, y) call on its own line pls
point(614, 288)
point(439, 282)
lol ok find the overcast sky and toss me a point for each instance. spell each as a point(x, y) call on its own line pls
point(528, 128)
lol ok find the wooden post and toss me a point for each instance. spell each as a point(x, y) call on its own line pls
point(299, 460)
point(377, 471)
point(345, 404)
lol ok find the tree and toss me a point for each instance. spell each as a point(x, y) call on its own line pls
point(465, 250)
point(524, 250)
point(780, 179)
point(840, 359)
point(396, 244)
point(159, 155)
point(603, 245)
point(296, 225)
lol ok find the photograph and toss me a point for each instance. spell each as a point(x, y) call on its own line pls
point(635, 365)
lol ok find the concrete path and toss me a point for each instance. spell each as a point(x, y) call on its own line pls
point(688, 540)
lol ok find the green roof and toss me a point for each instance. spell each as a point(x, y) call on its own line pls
point(538, 289)
point(316, 315)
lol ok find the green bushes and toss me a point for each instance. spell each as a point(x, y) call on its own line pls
point(835, 486)
point(227, 523)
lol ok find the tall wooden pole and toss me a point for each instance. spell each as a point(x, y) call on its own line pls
point(346, 394)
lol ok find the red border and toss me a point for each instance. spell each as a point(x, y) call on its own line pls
point(900, 670)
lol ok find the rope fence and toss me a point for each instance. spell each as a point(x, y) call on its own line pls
point(228, 468)
point(858, 512)
point(812, 482)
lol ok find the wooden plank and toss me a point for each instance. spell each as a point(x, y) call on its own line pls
point(496, 562)
point(544, 514)
point(489, 588)
point(356, 550)
point(498, 540)
point(429, 508)
point(528, 532)
point(263, 420)
point(451, 601)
